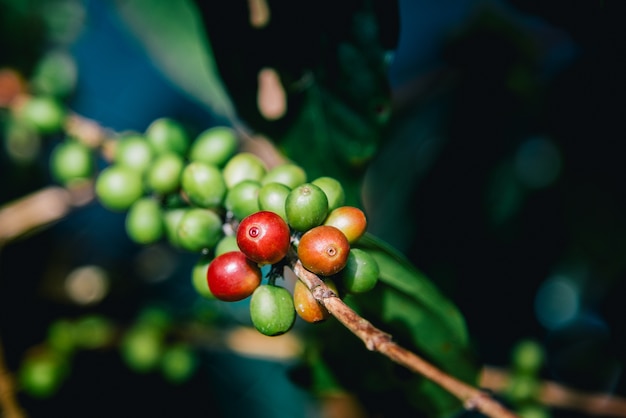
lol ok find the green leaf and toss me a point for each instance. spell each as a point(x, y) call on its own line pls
point(420, 318)
point(174, 37)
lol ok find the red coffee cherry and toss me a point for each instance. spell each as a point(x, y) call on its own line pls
point(264, 237)
point(232, 276)
point(324, 250)
point(349, 220)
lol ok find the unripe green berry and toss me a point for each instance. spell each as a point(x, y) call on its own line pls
point(45, 113)
point(227, 244)
point(164, 173)
point(333, 190)
point(199, 277)
point(133, 151)
point(178, 363)
point(172, 218)
point(166, 135)
point(203, 184)
point(291, 175)
point(272, 197)
point(144, 221)
point(199, 229)
point(214, 146)
point(118, 187)
point(243, 166)
point(361, 272)
point(71, 161)
point(142, 348)
point(306, 207)
point(527, 356)
point(271, 310)
point(243, 199)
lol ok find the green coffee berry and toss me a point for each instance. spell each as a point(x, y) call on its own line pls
point(178, 363)
point(45, 113)
point(199, 277)
point(55, 74)
point(272, 197)
point(243, 199)
point(203, 184)
point(360, 273)
point(243, 166)
point(291, 175)
point(527, 356)
point(145, 221)
point(164, 174)
point(271, 310)
point(166, 135)
point(306, 206)
point(333, 190)
point(172, 219)
point(226, 244)
point(142, 348)
point(214, 146)
point(199, 229)
point(133, 151)
point(71, 161)
point(118, 187)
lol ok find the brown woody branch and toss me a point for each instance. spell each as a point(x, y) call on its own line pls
point(377, 340)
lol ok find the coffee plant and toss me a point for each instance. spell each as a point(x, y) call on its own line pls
point(266, 203)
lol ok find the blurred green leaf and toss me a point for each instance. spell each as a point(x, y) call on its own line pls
point(419, 317)
point(332, 68)
point(173, 36)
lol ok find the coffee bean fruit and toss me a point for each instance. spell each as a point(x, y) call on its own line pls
point(271, 310)
point(291, 175)
point(199, 277)
point(307, 307)
point(178, 363)
point(118, 187)
point(324, 250)
point(203, 184)
point(133, 151)
point(232, 276)
point(199, 229)
point(71, 161)
point(333, 190)
point(163, 176)
point(243, 199)
point(272, 197)
point(243, 166)
point(45, 113)
point(349, 220)
point(172, 219)
point(166, 135)
point(214, 146)
point(264, 237)
point(361, 272)
point(226, 244)
point(306, 206)
point(144, 221)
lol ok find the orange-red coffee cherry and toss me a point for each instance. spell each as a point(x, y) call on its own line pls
point(232, 276)
point(307, 307)
point(349, 220)
point(324, 250)
point(264, 237)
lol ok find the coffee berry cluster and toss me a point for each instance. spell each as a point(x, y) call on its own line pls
point(205, 196)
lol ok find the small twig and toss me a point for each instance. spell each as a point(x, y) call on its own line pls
point(9, 407)
point(377, 340)
point(555, 395)
point(39, 209)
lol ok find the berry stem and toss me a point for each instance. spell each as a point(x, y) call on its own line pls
point(9, 406)
point(380, 341)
